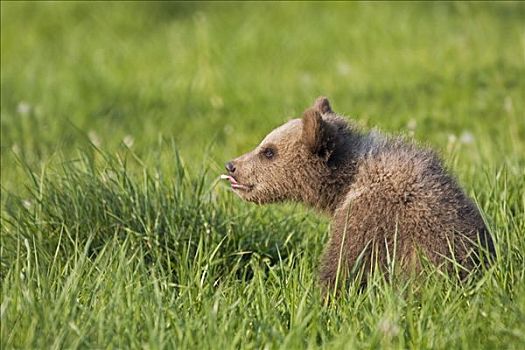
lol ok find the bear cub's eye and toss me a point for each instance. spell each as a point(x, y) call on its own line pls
point(268, 152)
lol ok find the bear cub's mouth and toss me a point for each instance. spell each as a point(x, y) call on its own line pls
point(235, 185)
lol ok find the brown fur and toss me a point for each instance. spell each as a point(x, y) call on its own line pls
point(388, 200)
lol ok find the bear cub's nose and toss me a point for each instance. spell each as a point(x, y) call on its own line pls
point(230, 167)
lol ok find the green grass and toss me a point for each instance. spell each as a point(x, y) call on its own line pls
point(116, 118)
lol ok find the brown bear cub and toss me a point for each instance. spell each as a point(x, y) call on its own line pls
point(389, 201)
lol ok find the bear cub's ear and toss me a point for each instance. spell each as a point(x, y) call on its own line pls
point(322, 105)
point(317, 134)
point(312, 129)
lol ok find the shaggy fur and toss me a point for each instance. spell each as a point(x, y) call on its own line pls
point(388, 200)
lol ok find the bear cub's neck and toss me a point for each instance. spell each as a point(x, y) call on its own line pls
point(330, 191)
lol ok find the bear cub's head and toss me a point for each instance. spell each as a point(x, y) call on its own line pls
point(294, 161)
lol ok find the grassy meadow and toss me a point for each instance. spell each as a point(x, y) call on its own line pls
point(117, 118)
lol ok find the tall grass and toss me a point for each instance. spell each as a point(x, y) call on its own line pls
point(98, 257)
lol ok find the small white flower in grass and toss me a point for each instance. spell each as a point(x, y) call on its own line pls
point(388, 327)
point(344, 68)
point(306, 78)
point(128, 141)
point(94, 138)
point(23, 108)
point(200, 18)
point(508, 106)
point(215, 308)
point(228, 129)
point(109, 176)
point(74, 327)
point(16, 149)
point(27, 203)
point(216, 102)
point(411, 125)
point(466, 138)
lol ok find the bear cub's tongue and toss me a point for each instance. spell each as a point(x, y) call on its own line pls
point(229, 178)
